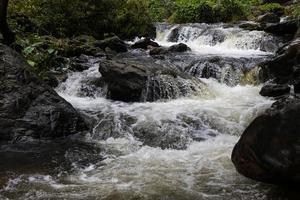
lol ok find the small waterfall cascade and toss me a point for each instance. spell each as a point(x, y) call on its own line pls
point(176, 142)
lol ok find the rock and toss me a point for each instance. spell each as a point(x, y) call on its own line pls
point(141, 80)
point(283, 28)
point(79, 64)
point(284, 66)
point(268, 18)
point(144, 44)
point(174, 48)
point(268, 150)
point(174, 35)
point(251, 26)
point(114, 43)
point(51, 80)
point(179, 48)
point(297, 35)
point(158, 51)
point(81, 45)
point(29, 107)
point(274, 90)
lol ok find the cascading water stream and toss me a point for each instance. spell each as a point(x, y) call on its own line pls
point(168, 149)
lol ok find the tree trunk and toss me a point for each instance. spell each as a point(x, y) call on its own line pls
point(8, 35)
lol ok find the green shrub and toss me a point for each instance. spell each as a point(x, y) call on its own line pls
point(272, 7)
point(293, 10)
point(133, 19)
point(208, 11)
point(66, 18)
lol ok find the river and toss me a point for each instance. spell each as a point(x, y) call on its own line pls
point(190, 138)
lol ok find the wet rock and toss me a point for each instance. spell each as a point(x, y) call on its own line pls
point(78, 64)
point(283, 68)
point(274, 90)
point(251, 26)
point(114, 43)
point(268, 150)
point(141, 80)
point(268, 18)
point(172, 49)
point(174, 35)
point(144, 44)
point(29, 107)
point(179, 48)
point(81, 45)
point(51, 80)
point(297, 35)
point(158, 51)
point(283, 28)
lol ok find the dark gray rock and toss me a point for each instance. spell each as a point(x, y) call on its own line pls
point(284, 28)
point(268, 18)
point(114, 43)
point(134, 81)
point(158, 51)
point(284, 67)
point(268, 150)
point(29, 107)
point(274, 90)
point(251, 26)
point(179, 48)
point(144, 44)
point(174, 35)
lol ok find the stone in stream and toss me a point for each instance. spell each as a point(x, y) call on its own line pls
point(141, 80)
point(29, 107)
point(269, 149)
point(275, 90)
point(268, 18)
point(172, 49)
point(284, 28)
point(285, 67)
point(113, 43)
point(144, 44)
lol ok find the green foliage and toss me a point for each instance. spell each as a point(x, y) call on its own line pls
point(133, 19)
point(271, 7)
point(161, 9)
point(65, 18)
point(39, 52)
point(293, 10)
point(208, 11)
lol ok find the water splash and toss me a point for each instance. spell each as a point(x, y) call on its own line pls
point(218, 39)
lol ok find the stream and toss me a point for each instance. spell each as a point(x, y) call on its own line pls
point(175, 149)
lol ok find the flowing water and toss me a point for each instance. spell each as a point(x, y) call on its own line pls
point(173, 149)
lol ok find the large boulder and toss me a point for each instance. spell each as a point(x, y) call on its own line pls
point(268, 150)
point(29, 107)
point(141, 80)
point(285, 67)
point(284, 28)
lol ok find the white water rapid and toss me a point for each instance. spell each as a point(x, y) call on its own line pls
point(170, 150)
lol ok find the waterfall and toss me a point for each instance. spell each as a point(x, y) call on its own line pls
point(219, 39)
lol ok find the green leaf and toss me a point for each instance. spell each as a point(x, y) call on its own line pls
point(51, 51)
point(31, 63)
point(29, 50)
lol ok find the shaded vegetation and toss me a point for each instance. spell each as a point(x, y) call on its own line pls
point(47, 29)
